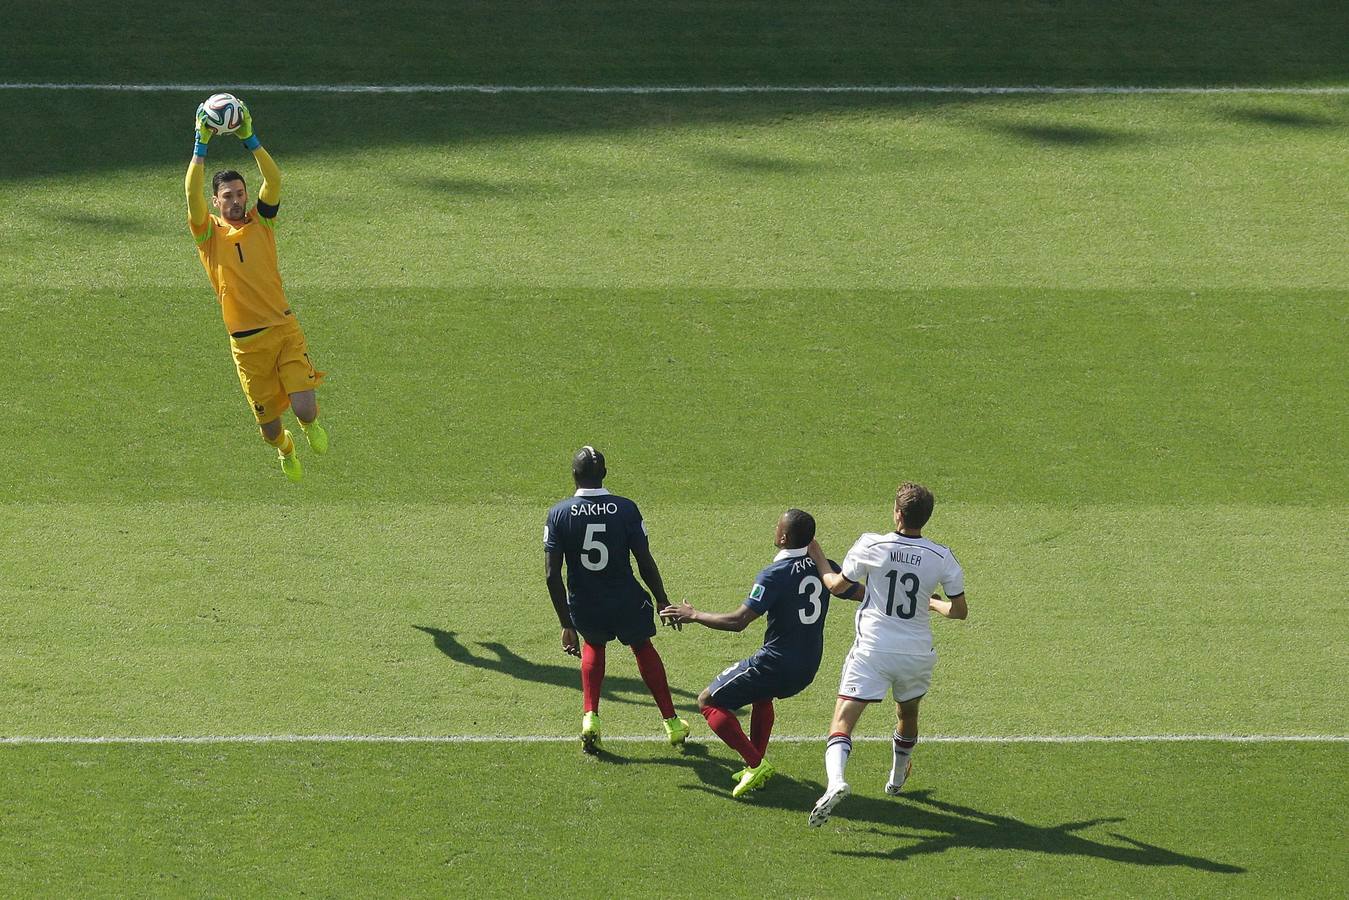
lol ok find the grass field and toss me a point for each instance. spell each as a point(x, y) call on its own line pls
point(1108, 331)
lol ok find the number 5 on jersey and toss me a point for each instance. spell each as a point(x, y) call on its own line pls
point(601, 558)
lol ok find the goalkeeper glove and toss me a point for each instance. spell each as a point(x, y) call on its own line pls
point(245, 132)
point(201, 132)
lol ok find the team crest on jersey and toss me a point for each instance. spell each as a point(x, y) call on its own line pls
point(756, 592)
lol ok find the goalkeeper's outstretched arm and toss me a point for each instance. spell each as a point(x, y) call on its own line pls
point(270, 192)
point(197, 211)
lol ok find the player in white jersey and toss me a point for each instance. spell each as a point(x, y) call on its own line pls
point(893, 648)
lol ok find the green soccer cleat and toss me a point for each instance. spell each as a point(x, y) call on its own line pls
point(590, 733)
point(291, 464)
point(677, 730)
point(317, 437)
point(753, 779)
point(736, 776)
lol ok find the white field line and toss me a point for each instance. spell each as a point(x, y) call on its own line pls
point(563, 739)
point(662, 88)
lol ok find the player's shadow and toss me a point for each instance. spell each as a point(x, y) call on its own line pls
point(501, 659)
point(694, 757)
point(931, 826)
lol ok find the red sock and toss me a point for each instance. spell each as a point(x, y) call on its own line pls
point(727, 727)
point(653, 673)
point(761, 725)
point(592, 674)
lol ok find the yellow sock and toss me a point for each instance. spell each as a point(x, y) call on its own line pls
point(282, 443)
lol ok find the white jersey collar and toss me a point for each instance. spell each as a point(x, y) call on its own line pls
point(590, 492)
point(790, 554)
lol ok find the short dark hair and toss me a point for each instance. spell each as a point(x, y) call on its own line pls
point(914, 502)
point(222, 177)
point(800, 528)
point(588, 465)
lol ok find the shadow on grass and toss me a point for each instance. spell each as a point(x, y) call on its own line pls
point(1281, 118)
point(757, 164)
point(1049, 135)
point(933, 826)
point(692, 42)
point(51, 133)
point(499, 658)
point(928, 825)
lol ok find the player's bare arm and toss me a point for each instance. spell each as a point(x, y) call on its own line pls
point(650, 572)
point(952, 608)
point(552, 568)
point(732, 621)
point(834, 581)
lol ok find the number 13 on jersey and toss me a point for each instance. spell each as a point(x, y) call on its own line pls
point(910, 582)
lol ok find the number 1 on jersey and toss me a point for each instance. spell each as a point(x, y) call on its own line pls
point(240, 248)
point(601, 551)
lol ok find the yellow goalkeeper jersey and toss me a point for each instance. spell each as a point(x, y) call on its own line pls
point(242, 265)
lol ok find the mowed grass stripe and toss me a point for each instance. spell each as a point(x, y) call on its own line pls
point(976, 820)
point(631, 738)
point(755, 41)
point(264, 87)
point(176, 623)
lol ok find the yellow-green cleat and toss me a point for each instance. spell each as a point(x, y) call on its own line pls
point(753, 779)
point(677, 730)
point(736, 776)
point(317, 437)
point(590, 733)
point(291, 464)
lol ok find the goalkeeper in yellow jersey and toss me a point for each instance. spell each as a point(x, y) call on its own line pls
point(238, 249)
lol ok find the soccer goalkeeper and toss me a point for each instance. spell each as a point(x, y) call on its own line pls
point(238, 250)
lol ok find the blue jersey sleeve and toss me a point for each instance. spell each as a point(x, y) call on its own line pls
point(636, 527)
point(552, 537)
point(762, 595)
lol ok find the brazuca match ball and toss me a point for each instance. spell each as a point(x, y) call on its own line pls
point(224, 113)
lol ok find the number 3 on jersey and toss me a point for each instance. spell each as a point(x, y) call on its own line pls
point(910, 590)
point(601, 558)
point(811, 586)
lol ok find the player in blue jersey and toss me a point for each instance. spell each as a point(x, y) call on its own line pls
point(594, 533)
point(791, 594)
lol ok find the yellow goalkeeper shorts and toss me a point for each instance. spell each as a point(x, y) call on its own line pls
point(273, 364)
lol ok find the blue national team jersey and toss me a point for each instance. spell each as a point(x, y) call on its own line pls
point(789, 592)
point(595, 531)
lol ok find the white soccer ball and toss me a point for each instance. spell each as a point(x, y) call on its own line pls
point(224, 113)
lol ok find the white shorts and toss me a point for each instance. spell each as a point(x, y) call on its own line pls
point(869, 674)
